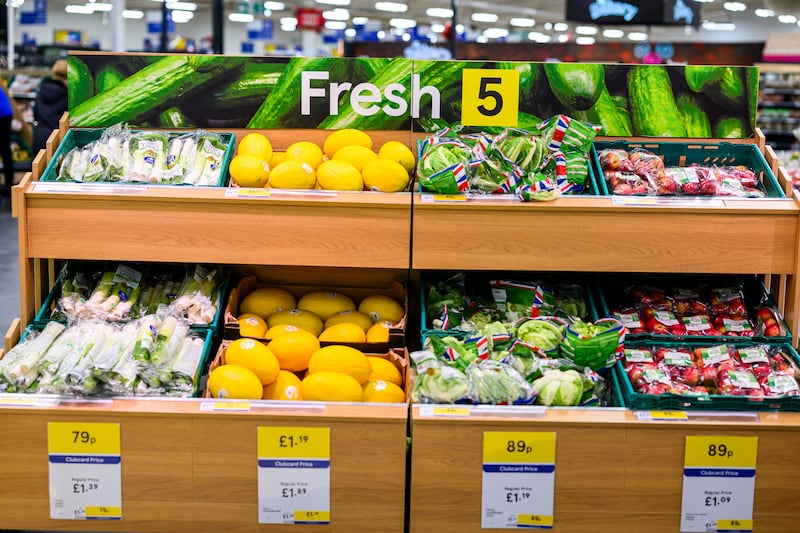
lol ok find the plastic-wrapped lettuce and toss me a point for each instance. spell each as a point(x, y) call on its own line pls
point(518, 150)
point(493, 382)
point(436, 382)
point(545, 333)
point(561, 388)
point(442, 165)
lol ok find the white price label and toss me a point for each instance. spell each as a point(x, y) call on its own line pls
point(84, 471)
point(294, 475)
point(719, 478)
point(518, 479)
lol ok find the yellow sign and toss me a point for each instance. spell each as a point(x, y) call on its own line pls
point(449, 198)
point(312, 516)
point(451, 411)
point(668, 415)
point(534, 520)
point(253, 192)
point(527, 447)
point(103, 512)
point(83, 438)
point(231, 406)
point(294, 442)
point(721, 452)
point(734, 525)
point(490, 97)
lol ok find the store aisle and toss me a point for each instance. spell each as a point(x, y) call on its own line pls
point(9, 266)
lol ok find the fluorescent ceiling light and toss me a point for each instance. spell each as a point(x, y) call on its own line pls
point(240, 17)
point(402, 23)
point(613, 33)
point(288, 21)
point(437, 28)
point(440, 12)
point(79, 10)
point(360, 21)
point(718, 26)
point(734, 6)
point(764, 13)
point(561, 26)
point(274, 6)
point(586, 30)
point(336, 14)
point(522, 22)
point(704, 1)
point(183, 6)
point(539, 37)
point(101, 6)
point(787, 19)
point(381, 34)
point(459, 28)
point(406, 37)
point(350, 32)
point(563, 38)
point(548, 25)
point(481, 39)
point(391, 7)
point(495, 33)
point(132, 14)
point(484, 17)
point(181, 17)
point(335, 25)
point(584, 40)
point(637, 36)
point(334, 2)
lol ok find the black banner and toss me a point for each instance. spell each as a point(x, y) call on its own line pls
point(650, 12)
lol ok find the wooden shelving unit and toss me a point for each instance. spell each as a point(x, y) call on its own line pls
point(188, 470)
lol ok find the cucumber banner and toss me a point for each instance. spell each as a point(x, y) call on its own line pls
point(219, 92)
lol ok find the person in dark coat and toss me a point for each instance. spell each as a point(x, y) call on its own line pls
point(6, 115)
point(49, 105)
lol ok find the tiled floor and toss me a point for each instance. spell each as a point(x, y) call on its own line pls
point(9, 266)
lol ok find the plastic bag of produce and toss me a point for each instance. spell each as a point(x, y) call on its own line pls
point(518, 299)
point(493, 382)
point(544, 334)
point(436, 382)
point(442, 166)
point(559, 388)
point(593, 345)
point(115, 147)
point(711, 360)
point(561, 132)
point(201, 157)
point(147, 158)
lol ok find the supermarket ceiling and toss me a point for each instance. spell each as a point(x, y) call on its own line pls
point(521, 20)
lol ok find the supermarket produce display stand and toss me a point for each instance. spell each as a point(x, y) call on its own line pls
point(185, 468)
point(615, 470)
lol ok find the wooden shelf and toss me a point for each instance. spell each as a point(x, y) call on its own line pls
point(613, 471)
point(186, 470)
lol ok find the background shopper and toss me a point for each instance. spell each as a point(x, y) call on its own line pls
point(49, 105)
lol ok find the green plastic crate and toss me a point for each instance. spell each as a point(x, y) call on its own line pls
point(714, 402)
point(703, 153)
point(80, 137)
point(205, 360)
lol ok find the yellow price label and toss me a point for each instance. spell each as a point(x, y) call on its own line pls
point(312, 516)
point(451, 411)
point(231, 406)
point(294, 442)
point(519, 447)
point(83, 438)
point(721, 452)
point(734, 525)
point(490, 97)
point(668, 415)
point(254, 192)
point(103, 512)
point(534, 520)
point(449, 198)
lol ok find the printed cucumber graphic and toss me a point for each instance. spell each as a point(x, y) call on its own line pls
point(694, 118)
point(577, 86)
point(155, 87)
point(80, 86)
point(652, 103)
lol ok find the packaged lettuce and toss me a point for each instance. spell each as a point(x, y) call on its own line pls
point(436, 382)
point(493, 382)
point(442, 166)
point(562, 132)
point(518, 150)
point(517, 299)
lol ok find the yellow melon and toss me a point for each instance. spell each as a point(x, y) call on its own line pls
point(344, 359)
point(381, 391)
point(330, 387)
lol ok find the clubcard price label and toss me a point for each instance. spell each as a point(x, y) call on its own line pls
point(719, 476)
point(518, 479)
point(84, 470)
point(294, 475)
point(490, 97)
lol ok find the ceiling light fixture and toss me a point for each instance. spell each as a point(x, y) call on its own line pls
point(79, 10)
point(734, 6)
point(239, 17)
point(360, 21)
point(183, 6)
point(637, 36)
point(484, 17)
point(613, 33)
point(586, 30)
point(495, 33)
point(718, 26)
point(522, 22)
point(274, 6)
point(437, 28)
point(561, 26)
point(182, 17)
point(132, 14)
point(350, 32)
point(334, 2)
point(764, 13)
point(584, 40)
point(787, 19)
point(391, 7)
point(402, 23)
point(336, 14)
point(440, 12)
point(539, 37)
point(335, 25)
